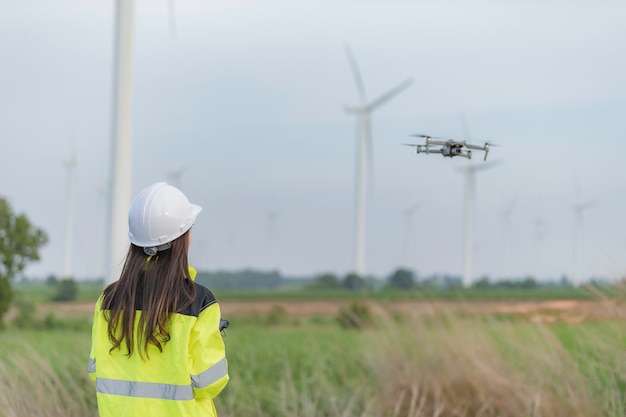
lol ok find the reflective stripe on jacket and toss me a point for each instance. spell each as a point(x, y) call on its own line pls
point(180, 381)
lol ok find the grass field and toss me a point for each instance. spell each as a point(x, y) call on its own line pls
point(88, 291)
point(447, 363)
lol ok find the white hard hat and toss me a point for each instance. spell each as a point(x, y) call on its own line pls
point(158, 215)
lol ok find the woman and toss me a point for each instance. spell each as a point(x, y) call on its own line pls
point(156, 347)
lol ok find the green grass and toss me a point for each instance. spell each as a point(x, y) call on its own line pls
point(43, 373)
point(414, 367)
point(40, 292)
point(397, 295)
point(89, 291)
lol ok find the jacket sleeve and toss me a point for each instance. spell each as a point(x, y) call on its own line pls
point(209, 369)
point(91, 367)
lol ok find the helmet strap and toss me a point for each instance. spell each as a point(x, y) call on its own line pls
point(152, 250)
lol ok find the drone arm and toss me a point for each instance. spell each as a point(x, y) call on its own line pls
point(478, 148)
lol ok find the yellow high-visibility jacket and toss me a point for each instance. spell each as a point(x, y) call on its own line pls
point(180, 381)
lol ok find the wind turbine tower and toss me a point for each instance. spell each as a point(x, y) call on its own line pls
point(470, 192)
point(69, 215)
point(579, 209)
point(505, 238)
point(364, 157)
point(121, 155)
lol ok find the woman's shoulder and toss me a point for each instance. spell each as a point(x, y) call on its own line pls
point(204, 298)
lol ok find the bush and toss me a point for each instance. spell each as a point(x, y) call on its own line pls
point(277, 316)
point(356, 316)
point(353, 281)
point(326, 280)
point(67, 290)
point(402, 279)
point(26, 315)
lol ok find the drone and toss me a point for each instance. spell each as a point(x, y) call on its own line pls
point(449, 147)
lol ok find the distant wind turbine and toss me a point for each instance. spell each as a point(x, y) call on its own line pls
point(579, 209)
point(364, 154)
point(470, 192)
point(70, 165)
point(505, 237)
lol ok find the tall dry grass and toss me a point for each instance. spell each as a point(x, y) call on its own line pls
point(441, 365)
point(478, 368)
point(44, 375)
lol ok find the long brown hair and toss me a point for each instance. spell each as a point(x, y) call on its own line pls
point(158, 286)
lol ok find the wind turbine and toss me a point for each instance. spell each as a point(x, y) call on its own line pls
point(408, 229)
point(70, 165)
point(364, 156)
point(121, 155)
point(579, 209)
point(121, 136)
point(505, 238)
point(470, 192)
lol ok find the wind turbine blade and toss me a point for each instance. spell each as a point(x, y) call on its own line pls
point(389, 95)
point(356, 73)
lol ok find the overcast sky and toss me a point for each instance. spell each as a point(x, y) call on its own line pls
point(248, 98)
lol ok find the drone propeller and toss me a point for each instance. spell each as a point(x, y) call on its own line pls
point(428, 136)
point(418, 148)
point(487, 145)
point(485, 148)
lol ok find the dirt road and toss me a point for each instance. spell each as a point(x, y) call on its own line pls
point(547, 311)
